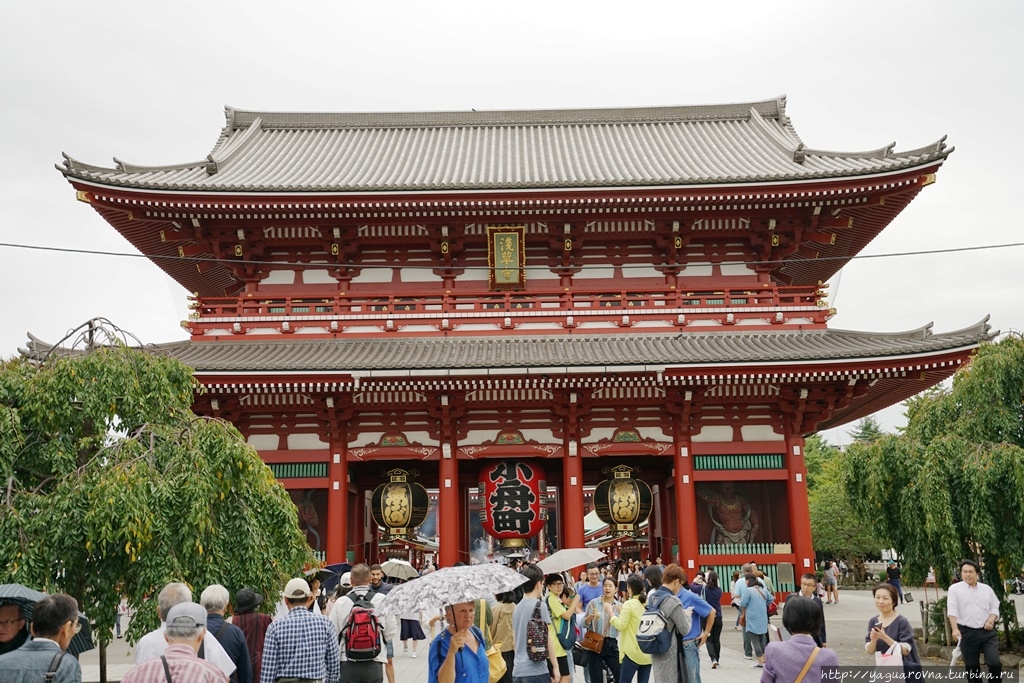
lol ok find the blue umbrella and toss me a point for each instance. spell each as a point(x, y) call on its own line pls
point(331, 582)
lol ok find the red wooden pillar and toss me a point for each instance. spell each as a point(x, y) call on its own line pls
point(669, 529)
point(337, 501)
point(448, 509)
point(686, 502)
point(359, 537)
point(799, 511)
point(572, 513)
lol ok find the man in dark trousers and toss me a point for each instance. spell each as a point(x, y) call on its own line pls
point(809, 589)
point(973, 610)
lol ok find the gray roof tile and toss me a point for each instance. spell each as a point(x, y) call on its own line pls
point(430, 151)
point(597, 351)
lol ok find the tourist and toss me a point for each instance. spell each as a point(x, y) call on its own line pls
point(54, 624)
point(755, 603)
point(598, 618)
point(695, 638)
point(711, 593)
point(254, 626)
point(232, 639)
point(501, 631)
point(632, 660)
point(458, 652)
point(809, 590)
point(303, 644)
point(555, 584)
point(734, 593)
point(411, 632)
point(622, 574)
point(153, 644)
point(787, 660)
point(669, 666)
point(526, 669)
point(973, 610)
point(831, 590)
point(13, 627)
point(381, 587)
point(184, 630)
point(372, 671)
point(887, 628)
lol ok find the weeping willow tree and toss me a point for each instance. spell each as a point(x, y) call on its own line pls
point(951, 486)
point(111, 486)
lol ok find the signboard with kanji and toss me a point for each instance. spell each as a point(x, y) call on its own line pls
point(510, 499)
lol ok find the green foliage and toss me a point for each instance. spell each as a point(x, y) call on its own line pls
point(866, 430)
point(113, 486)
point(836, 530)
point(952, 485)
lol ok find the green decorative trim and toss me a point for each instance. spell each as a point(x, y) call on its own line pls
point(626, 436)
point(766, 461)
point(299, 470)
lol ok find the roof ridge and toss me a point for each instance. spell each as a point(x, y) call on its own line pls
point(242, 118)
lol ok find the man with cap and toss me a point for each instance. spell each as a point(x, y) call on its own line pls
point(302, 647)
point(184, 630)
point(215, 599)
point(153, 644)
point(54, 624)
point(254, 626)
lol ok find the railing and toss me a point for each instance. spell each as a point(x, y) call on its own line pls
point(767, 461)
point(770, 303)
point(298, 470)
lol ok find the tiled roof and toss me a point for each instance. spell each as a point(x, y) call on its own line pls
point(596, 351)
point(316, 152)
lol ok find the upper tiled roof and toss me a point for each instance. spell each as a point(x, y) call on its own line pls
point(315, 152)
point(597, 352)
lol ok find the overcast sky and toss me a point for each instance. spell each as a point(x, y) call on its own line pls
point(147, 83)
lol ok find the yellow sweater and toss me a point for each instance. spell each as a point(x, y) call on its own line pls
point(557, 609)
point(627, 623)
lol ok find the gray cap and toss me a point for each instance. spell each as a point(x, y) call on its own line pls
point(186, 615)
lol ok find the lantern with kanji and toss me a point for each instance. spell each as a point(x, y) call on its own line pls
point(399, 505)
point(622, 501)
point(511, 501)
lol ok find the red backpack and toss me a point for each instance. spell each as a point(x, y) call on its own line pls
point(362, 636)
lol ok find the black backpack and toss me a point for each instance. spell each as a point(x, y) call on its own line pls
point(537, 636)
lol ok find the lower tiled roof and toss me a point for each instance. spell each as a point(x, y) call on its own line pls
point(362, 355)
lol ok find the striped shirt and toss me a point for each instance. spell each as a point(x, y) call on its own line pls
point(302, 645)
point(183, 664)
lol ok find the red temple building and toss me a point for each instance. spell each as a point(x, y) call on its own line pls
point(574, 289)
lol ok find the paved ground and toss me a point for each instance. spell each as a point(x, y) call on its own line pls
point(846, 621)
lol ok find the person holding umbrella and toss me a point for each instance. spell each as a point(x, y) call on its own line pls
point(13, 627)
point(458, 651)
point(54, 624)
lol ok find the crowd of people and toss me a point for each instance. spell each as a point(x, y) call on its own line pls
point(536, 630)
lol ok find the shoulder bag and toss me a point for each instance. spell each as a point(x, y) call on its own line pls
point(594, 641)
point(807, 665)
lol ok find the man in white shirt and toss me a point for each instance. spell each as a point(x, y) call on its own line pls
point(153, 644)
point(362, 672)
point(973, 610)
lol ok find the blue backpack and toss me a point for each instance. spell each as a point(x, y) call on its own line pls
point(654, 635)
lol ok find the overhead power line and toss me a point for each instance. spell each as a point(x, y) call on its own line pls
point(300, 265)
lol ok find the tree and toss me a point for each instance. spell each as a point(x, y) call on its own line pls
point(112, 486)
point(866, 430)
point(836, 529)
point(952, 484)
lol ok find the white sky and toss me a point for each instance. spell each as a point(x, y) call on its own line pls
point(147, 82)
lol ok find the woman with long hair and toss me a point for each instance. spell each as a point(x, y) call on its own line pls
point(887, 628)
point(711, 593)
point(664, 595)
point(755, 603)
point(598, 617)
point(632, 660)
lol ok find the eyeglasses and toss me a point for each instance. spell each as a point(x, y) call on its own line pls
point(77, 623)
point(10, 622)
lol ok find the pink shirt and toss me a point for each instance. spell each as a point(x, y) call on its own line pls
point(185, 666)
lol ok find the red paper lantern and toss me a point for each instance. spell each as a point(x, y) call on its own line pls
point(510, 500)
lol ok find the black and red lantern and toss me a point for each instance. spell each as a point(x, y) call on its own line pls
point(399, 505)
point(623, 502)
point(511, 501)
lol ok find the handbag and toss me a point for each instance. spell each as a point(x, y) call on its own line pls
point(907, 597)
point(892, 658)
point(496, 662)
point(592, 641)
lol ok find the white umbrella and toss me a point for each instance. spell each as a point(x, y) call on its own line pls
point(449, 586)
point(399, 569)
point(567, 558)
